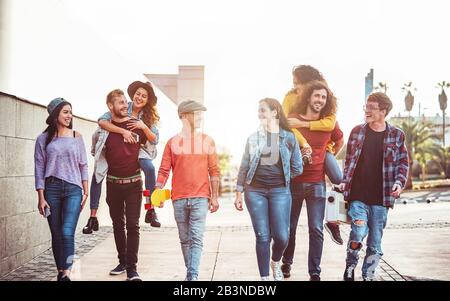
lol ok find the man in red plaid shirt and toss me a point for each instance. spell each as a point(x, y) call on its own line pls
point(375, 173)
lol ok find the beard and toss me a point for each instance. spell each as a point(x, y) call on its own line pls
point(316, 109)
point(121, 113)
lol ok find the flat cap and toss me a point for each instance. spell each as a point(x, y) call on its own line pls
point(189, 106)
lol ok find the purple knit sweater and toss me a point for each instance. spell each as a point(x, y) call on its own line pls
point(65, 158)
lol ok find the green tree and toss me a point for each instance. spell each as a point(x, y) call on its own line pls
point(420, 142)
point(426, 152)
point(442, 157)
point(224, 162)
point(225, 167)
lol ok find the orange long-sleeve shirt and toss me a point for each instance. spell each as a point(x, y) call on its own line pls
point(193, 162)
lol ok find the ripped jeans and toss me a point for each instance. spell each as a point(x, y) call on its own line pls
point(367, 220)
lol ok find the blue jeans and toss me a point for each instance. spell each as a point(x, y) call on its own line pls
point(269, 210)
point(314, 194)
point(149, 171)
point(95, 193)
point(64, 200)
point(332, 169)
point(374, 218)
point(150, 179)
point(190, 215)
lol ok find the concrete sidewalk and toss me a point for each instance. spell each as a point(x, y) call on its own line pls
point(229, 249)
point(229, 254)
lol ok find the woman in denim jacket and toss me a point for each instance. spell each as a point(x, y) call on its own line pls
point(272, 157)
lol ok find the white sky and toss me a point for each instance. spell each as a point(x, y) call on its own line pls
point(82, 49)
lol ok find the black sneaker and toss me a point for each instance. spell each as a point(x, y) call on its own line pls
point(314, 277)
point(349, 273)
point(92, 225)
point(58, 278)
point(333, 229)
point(65, 278)
point(152, 219)
point(133, 276)
point(286, 269)
point(119, 269)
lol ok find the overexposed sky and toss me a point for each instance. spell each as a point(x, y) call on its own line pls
point(82, 49)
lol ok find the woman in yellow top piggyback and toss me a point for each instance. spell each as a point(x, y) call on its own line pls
point(302, 75)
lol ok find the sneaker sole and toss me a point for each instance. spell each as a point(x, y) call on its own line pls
point(116, 273)
point(136, 278)
point(332, 237)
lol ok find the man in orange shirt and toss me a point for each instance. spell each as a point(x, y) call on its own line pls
point(195, 182)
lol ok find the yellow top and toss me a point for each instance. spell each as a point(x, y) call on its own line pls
point(325, 125)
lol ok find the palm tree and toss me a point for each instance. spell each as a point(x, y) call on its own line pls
point(420, 141)
point(426, 152)
point(409, 98)
point(442, 157)
point(381, 87)
point(443, 105)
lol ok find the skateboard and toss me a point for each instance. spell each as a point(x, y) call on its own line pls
point(158, 196)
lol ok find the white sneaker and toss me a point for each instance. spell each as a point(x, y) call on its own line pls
point(265, 278)
point(276, 270)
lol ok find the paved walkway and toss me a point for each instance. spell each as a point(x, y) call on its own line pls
point(229, 249)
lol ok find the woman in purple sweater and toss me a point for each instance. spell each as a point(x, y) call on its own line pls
point(61, 180)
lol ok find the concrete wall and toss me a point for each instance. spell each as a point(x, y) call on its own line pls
point(24, 233)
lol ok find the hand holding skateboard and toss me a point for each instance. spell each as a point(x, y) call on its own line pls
point(158, 197)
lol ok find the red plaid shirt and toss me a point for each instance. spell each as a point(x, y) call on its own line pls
point(395, 160)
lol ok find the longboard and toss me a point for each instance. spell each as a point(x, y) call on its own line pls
point(158, 196)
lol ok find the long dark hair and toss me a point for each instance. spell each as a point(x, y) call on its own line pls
point(52, 121)
point(303, 99)
point(274, 105)
point(305, 74)
point(149, 113)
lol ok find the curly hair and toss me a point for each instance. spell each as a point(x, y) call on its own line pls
point(305, 74)
point(304, 98)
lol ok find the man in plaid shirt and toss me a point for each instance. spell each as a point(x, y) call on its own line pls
point(375, 173)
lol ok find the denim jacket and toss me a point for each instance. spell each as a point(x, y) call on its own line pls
point(289, 152)
point(148, 150)
point(99, 152)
